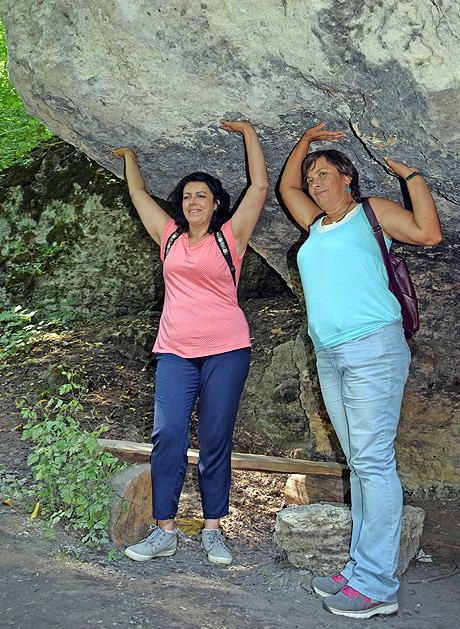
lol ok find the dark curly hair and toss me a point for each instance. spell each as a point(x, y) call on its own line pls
point(338, 160)
point(220, 196)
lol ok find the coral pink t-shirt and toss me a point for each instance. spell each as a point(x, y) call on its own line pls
point(201, 316)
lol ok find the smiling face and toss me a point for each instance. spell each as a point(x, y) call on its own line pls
point(326, 185)
point(198, 204)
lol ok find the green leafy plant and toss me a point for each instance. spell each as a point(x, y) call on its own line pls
point(20, 331)
point(115, 555)
point(15, 488)
point(72, 474)
point(17, 332)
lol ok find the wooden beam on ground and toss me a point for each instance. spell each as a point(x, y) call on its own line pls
point(140, 453)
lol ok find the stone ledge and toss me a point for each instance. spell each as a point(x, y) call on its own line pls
point(317, 537)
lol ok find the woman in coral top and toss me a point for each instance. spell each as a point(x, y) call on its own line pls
point(203, 344)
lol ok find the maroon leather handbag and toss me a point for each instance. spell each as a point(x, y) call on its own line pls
point(400, 282)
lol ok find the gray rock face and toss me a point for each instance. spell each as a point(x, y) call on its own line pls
point(317, 537)
point(71, 243)
point(159, 76)
point(66, 217)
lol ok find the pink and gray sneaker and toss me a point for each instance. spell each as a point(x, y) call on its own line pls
point(349, 602)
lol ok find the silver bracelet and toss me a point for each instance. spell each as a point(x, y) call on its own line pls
point(414, 174)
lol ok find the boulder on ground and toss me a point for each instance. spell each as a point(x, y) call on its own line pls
point(317, 537)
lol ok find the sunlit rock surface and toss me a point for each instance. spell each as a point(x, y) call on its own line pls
point(159, 76)
point(317, 536)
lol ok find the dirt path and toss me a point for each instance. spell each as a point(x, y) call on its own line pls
point(46, 580)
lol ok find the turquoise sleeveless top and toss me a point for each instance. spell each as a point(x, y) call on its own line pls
point(345, 282)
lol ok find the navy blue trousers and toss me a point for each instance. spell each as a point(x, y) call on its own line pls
point(217, 382)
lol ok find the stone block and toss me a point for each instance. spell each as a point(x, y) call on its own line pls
point(317, 537)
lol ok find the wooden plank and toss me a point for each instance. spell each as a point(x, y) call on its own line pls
point(128, 451)
point(140, 453)
point(305, 489)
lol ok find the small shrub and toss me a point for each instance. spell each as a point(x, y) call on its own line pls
point(72, 475)
point(18, 331)
point(16, 489)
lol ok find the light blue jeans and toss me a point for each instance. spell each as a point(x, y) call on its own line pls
point(362, 382)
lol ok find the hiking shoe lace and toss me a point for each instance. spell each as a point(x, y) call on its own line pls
point(327, 586)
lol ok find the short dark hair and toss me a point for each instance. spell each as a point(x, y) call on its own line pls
point(338, 160)
point(220, 196)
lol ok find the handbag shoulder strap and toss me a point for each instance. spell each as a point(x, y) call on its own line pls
point(222, 243)
point(378, 233)
point(316, 219)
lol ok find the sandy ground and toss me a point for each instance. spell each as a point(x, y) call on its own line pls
point(48, 580)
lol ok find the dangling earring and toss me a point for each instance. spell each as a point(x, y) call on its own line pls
point(348, 189)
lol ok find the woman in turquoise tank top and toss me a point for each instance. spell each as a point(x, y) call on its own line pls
point(361, 352)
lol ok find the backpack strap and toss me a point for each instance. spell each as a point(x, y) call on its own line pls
point(171, 240)
point(316, 219)
point(221, 242)
point(220, 239)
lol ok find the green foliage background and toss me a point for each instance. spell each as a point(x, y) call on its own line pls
point(19, 132)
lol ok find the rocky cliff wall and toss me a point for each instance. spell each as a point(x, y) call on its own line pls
point(71, 242)
point(159, 76)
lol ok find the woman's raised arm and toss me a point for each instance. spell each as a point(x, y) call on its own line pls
point(301, 207)
point(153, 217)
point(246, 216)
point(420, 227)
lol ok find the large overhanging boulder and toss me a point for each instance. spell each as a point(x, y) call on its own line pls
point(160, 75)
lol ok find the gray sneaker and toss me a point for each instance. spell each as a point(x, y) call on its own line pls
point(213, 543)
point(349, 602)
point(327, 586)
point(157, 544)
